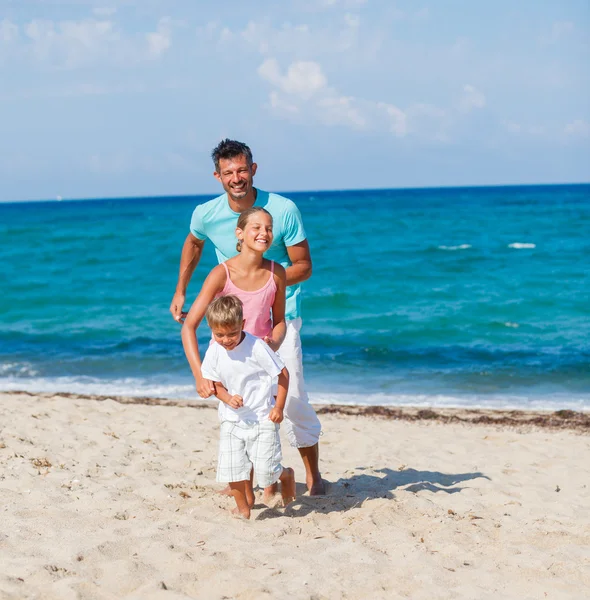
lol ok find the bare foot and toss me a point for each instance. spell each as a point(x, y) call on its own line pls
point(317, 488)
point(226, 491)
point(287, 485)
point(241, 514)
point(269, 493)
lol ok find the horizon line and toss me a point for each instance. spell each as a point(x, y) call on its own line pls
point(288, 192)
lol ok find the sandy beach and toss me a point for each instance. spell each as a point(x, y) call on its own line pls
point(107, 499)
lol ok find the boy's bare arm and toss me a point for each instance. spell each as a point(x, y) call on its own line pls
point(222, 394)
point(276, 413)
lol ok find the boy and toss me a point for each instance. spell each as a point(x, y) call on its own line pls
point(242, 368)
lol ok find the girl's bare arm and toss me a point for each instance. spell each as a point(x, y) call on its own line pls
point(211, 286)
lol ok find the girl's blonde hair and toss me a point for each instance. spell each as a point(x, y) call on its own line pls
point(245, 217)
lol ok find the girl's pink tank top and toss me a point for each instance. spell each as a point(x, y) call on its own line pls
point(257, 304)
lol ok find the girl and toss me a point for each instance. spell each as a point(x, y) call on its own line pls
point(259, 283)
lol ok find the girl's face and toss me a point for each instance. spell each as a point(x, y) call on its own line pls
point(257, 234)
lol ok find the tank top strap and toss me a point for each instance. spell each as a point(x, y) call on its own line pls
point(272, 267)
point(226, 269)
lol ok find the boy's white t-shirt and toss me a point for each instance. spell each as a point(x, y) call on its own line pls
point(248, 370)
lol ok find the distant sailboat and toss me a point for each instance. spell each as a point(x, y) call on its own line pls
point(59, 198)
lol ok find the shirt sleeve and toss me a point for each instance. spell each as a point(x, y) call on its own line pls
point(209, 365)
point(293, 225)
point(268, 360)
point(197, 225)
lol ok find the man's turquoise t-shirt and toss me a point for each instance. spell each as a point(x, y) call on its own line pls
point(216, 221)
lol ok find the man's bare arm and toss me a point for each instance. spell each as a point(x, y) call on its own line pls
point(191, 255)
point(301, 268)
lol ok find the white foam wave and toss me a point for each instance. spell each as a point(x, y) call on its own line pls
point(92, 386)
point(521, 245)
point(460, 247)
point(501, 402)
point(185, 390)
point(20, 369)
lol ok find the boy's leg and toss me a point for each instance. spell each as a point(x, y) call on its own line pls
point(234, 467)
point(265, 454)
point(241, 490)
point(287, 479)
point(301, 423)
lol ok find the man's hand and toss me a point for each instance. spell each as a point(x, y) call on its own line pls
point(235, 401)
point(176, 307)
point(276, 415)
point(205, 388)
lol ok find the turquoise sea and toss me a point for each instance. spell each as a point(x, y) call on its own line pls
point(444, 297)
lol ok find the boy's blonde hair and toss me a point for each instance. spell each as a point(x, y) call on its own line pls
point(225, 311)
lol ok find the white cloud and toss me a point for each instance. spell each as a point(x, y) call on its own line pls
point(303, 78)
point(341, 110)
point(344, 3)
point(525, 130)
point(279, 104)
point(398, 118)
point(578, 128)
point(104, 11)
point(472, 98)
point(70, 43)
point(8, 31)
point(160, 40)
point(423, 13)
point(352, 20)
point(303, 92)
point(299, 40)
point(560, 29)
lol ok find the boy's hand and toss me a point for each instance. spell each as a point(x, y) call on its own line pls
point(271, 343)
point(236, 401)
point(276, 415)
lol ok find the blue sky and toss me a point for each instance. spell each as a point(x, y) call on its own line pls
point(127, 97)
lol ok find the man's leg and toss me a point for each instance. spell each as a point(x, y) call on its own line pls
point(313, 477)
point(301, 422)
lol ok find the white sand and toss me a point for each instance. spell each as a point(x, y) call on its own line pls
point(104, 500)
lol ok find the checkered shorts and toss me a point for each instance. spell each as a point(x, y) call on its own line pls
point(246, 445)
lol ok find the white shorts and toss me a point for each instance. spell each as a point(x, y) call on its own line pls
point(301, 423)
point(243, 446)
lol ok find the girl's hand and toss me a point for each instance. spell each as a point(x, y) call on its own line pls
point(235, 401)
point(276, 415)
point(271, 343)
point(205, 387)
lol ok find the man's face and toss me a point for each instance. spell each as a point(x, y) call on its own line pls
point(236, 176)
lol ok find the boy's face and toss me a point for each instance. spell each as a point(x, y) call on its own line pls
point(228, 336)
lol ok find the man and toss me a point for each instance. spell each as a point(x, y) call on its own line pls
point(216, 220)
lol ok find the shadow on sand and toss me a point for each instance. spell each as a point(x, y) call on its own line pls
point(347, 493)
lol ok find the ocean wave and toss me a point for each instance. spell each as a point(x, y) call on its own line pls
point(500, 402)
point(134, 387)
point(521, 245)
point(129, 386)
point(460, 247)
point(24, 369)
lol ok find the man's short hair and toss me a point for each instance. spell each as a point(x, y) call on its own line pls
point(225, 311)
point(230, 149)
